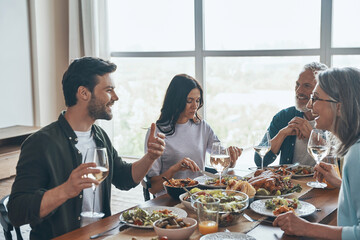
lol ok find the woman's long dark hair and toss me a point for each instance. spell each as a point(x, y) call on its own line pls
point(175, 102)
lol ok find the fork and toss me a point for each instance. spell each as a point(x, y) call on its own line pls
point(250, 219)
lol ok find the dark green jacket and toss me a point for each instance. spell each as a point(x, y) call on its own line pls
point(279, 121)
point(46, 160)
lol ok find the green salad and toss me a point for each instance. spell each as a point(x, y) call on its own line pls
point(230, 201)
point(274, 203)
point(141, 217)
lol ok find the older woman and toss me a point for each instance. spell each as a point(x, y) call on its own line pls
point(188, 137)
point(336, 104)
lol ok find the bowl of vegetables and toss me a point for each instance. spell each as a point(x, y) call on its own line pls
point(176, 187)
point(175, 228)
point(232, 204)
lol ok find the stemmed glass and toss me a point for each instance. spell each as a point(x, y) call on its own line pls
point(99, 156)
point(219, 158)
point(318, 147)
point(262, 145)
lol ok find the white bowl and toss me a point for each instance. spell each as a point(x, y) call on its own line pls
point(177, 234)
point(187, 204)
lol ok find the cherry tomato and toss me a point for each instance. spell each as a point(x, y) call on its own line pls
point(164, 238)
point(138, 222)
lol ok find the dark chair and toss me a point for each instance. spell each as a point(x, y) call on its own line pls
point(5, 222)
point(146, 184)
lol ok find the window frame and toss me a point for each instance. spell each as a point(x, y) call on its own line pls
point(325, 51)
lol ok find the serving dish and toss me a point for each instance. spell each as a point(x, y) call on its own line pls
point(232, 204)
point(178, 233)
point(124, 217)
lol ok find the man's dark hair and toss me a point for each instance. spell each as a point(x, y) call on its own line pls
point(83, 72)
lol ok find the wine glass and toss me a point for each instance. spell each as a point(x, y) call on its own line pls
point(219, 158)
point(262, 145)
point(99, 156)
point(318, 147)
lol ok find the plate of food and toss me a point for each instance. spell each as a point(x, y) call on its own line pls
point(269, 184)
point(296, 171)
point(145, 217)
point(209, 182)
point(302, 171)
point(227, 235)
point(275, 206)
point(232, 203)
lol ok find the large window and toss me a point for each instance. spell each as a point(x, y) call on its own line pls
point(246, 54)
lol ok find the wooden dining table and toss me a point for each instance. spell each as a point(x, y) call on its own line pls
point(325, 200)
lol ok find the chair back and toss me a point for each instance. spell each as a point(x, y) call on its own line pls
point(5, 222)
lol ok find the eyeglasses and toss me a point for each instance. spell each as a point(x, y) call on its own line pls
point(315, 98)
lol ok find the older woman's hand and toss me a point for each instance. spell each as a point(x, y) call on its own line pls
point(327, 172)
point(292, 224)
point(235, 153)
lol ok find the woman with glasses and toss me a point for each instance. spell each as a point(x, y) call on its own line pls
point(188, 137)
point(336, 105)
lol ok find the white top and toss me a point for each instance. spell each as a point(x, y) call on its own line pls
point(86, 141)
point(190, 140)
point(301, 154)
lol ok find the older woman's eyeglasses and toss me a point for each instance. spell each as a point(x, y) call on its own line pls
point(315, 98)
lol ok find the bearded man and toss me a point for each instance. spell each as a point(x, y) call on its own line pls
point(51, 188)
point(291, 127)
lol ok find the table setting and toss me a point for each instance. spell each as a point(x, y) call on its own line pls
point(241, 202)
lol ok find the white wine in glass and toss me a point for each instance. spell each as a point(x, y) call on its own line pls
point(318, 147)
point(99, 156)
point(219, 158)
point(262, 145)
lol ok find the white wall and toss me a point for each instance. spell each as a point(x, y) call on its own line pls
point(16, 101)
point(32, 97)
point(49, 30)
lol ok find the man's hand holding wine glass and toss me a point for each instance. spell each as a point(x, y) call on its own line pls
point(77, 182)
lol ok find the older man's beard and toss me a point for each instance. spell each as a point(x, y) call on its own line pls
point(97, 110)
point(301, 107)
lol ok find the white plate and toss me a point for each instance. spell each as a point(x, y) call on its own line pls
point(226, 236)
point(202, 181)
point(304, 209)
point(294, 175)
point(304, 175)
point(176, 211)
point(271, 196)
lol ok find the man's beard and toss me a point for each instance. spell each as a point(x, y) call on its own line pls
point(97, 110)
point(301, 107)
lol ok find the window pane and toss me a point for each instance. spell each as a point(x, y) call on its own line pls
point(141, 84)
point(243, 94)
point(346, 20)
point(262, 24)
point(346, 61)
point(157, 25)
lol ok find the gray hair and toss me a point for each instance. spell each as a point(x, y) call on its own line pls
point(343, 85)
point(315, 67)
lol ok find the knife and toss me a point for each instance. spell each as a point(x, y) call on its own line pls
point(122, 226)
point(201, 171)
point(209, 174)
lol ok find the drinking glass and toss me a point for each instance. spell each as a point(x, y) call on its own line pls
point(334, 161)
point(207, 210)
point(98, 156)
point(262, 145)
point(318, 147)
point(219, 158)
